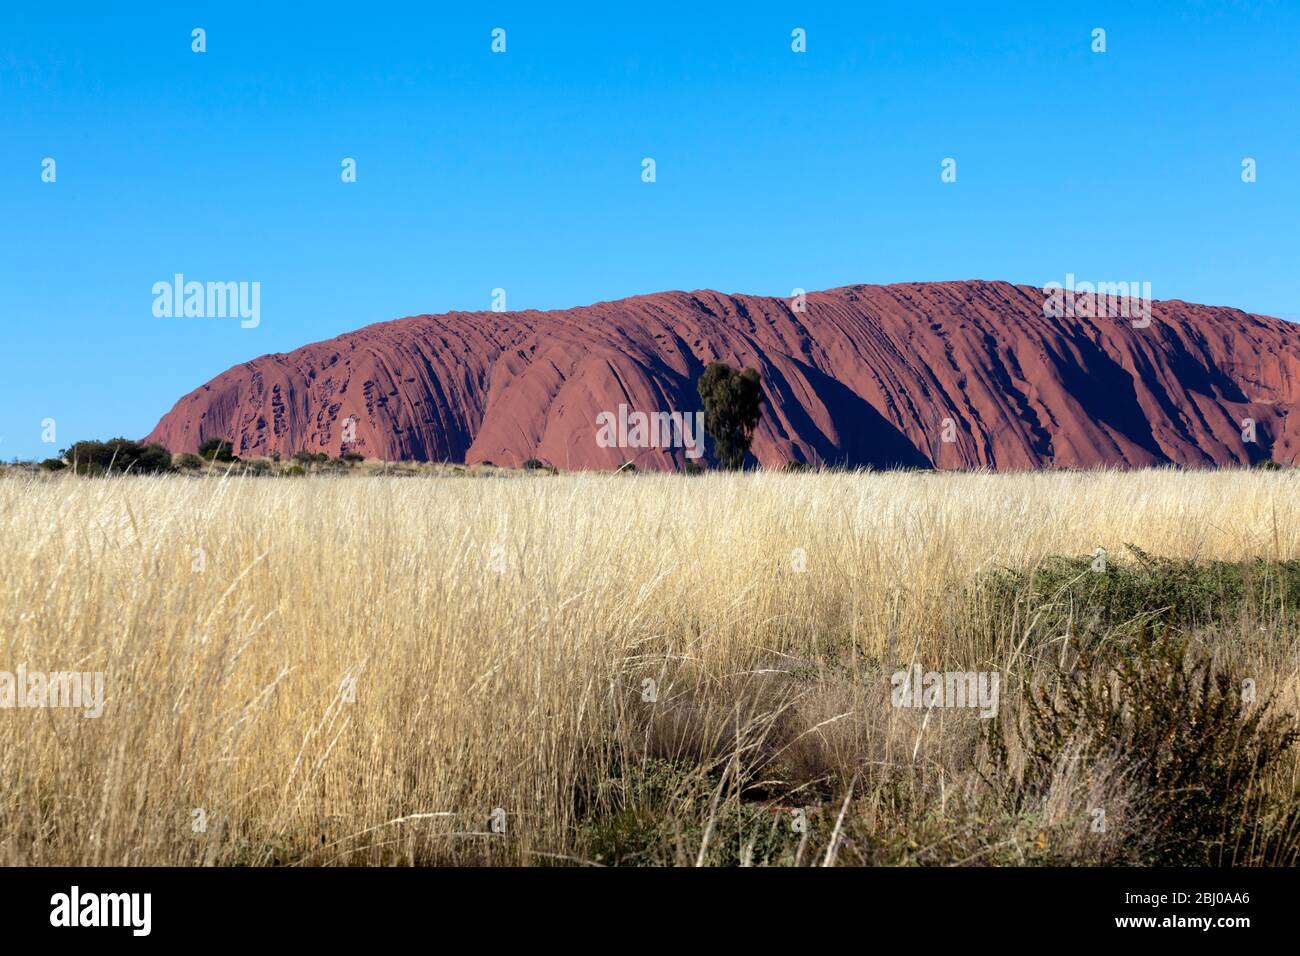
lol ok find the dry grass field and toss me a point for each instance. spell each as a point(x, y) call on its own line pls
point(652, 669)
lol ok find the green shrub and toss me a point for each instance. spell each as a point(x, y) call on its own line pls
point(1068, 594)
point(1185, 735)
point(188, 461)
point(53, 464)
point(534, 464)
point(118, 455)
point(657, 812)
point(216, 449)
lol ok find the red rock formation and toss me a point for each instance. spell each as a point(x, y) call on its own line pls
point(866, 375)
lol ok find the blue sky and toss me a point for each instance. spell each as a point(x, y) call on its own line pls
point(522, 170)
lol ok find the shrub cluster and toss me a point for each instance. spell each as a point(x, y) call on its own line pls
point(216, 449)
point(1188, 736)
point(117, 455)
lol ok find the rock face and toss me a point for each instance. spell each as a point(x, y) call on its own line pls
point(950, 374)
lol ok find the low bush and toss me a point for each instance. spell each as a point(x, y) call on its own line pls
point(216, 449)
point(117, 455)
point(1188, 737)
point(1086, 594)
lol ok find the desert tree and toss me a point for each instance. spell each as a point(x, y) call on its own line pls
point(731, 410)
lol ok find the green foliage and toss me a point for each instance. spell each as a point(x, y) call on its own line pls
point(656, 812)
point(693, 468)
point(153, 458)
point(216, 449)
point(119, 455)
point(534, 464)
point(352, 457)
point(732, 403)
point(1188, 738)
point(53, 464)
point(188, 461)
point(1067, 593)
point(308, 458)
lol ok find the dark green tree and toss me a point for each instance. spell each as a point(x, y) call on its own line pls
point(731, 410)
point(216, 449)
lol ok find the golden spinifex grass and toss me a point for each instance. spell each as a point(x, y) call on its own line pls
point(586, 668)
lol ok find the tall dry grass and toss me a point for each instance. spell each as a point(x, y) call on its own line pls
point(378, 670)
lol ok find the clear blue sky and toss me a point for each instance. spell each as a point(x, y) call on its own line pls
point(523, 170)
